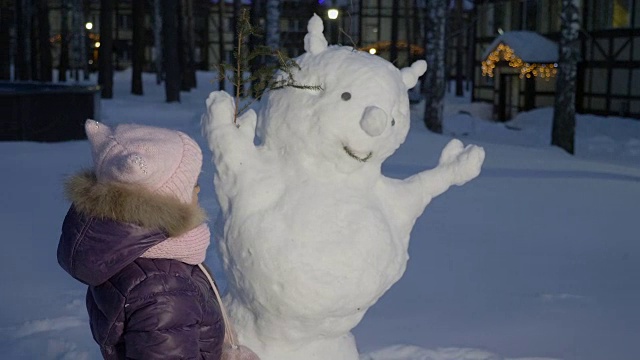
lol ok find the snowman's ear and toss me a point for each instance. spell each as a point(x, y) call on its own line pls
point(314, 41)
point(411, 74)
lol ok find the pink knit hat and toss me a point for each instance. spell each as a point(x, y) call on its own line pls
point(163, 161)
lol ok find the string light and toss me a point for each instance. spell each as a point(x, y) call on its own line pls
point(505, 53)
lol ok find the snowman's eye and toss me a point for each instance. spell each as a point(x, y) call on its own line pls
point(393, 122)
point(346, 96)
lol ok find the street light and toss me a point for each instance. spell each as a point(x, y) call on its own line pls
point(372, 51)
point(88, 26)
point(97, 44)
point(333, 14)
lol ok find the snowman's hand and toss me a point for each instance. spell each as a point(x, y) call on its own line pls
point(229, 142)
point(461, 163)
point(458, 164)
point(450, 151)
point(247, 124)
point(220, 111)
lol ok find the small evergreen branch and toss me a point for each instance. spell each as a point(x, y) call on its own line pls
point(264, 78)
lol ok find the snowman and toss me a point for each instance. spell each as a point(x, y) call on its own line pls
point(313, 232)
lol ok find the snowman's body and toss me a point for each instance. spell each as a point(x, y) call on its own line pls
point(313, 232)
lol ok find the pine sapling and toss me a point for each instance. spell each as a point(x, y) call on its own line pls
point(264, 77)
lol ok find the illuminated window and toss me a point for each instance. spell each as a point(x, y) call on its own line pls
point(621, 13)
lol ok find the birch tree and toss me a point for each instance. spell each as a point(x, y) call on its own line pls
point(221, 48)
point(564, 114)
point(434, 79)
point(105, 51)
point(272, 24)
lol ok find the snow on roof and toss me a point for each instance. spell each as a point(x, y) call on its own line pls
point(530, 46)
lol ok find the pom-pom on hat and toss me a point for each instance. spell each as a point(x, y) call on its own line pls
point(163, 161)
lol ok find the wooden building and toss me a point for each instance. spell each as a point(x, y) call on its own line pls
point(609, 70)
point(214, 27)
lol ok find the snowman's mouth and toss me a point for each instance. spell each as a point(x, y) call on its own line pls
point(352, 154)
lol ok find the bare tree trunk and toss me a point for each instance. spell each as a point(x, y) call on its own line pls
point(459, 49)
point(435, 49)
point(254, 63)
point(272, 24)
point(418, 23)
point(23, 40)
point(564, 114)
point(84, 41)
point(360, 23)
point(191, 44)
point(393, 50)
point(35, 46)
point(205, 7)
point(157, 40)
point(6, 22)
point(253, 44)
point(170, 50)
point(46, 66)
point(221, 48)
point(237, 8)
point(182, 49)
point(105, 51)
point(185, 44)
point(63, 64)
point(116, 50)
point(77, 34)
point(137, 56)
point(471, 49)
point(408, 30)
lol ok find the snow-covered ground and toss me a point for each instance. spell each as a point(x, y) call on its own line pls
point(538, 258)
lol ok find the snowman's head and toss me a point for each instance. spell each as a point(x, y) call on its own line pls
point(358, 118)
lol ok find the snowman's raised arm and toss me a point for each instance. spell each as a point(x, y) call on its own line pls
point(458, 164)
point(230, 143)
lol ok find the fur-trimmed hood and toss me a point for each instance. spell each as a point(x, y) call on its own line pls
point(131, 204)
point(111, 225)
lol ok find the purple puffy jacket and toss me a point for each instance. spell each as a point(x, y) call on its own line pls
point(138, 308)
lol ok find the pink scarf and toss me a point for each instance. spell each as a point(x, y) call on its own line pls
point(190, 247)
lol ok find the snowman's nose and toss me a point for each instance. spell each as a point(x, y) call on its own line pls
point(374, 120)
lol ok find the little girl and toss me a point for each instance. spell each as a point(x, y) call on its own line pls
point(136, 234)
